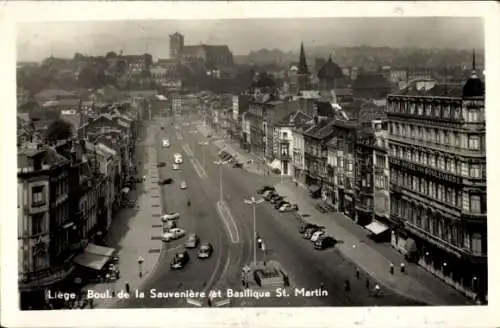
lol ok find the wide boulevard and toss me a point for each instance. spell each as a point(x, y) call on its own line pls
point(230, 231)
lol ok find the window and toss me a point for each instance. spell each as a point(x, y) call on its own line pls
point(415, 184)
point(456, 112)
point(465, 169)
point(446, 138)
point(37, 224)
point(476, 243)
point(414, 156)
point(474, 142)
point(432, 160)
point(349, 166)
point(437, 111)
point(441, 163)
point(424, 158)
point(428, 110)
point(475, 204)
point(422, 185)
point(475, 171)
point(473, 115)
point(452, 166)
point(466, 240)
point(440, 193)
point(38, 197)
point(446, 111)
point(420, 110)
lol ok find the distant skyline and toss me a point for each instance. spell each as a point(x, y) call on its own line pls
point(36, 41)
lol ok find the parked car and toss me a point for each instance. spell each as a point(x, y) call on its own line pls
point(324, 242)
point(166, 181)
point(238, 165)
point(289, 207)
point(170, 224)
point(316, 235)
point(277, 199)
point(170, 216)
point(321, 208)
point(269, 194)
point(180, 260)
point(175, 167)
point(173, 234)
point(183, 185)
point(205, 251)
point(264, 189)
point(161, 164)
point(280, 203)
point(309, 232)
point(192, 241)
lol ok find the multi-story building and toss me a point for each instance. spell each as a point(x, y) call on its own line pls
point(239, 105)
point(298, 151)
point(283, 139)
point(339, 191)
point(177, 103)
point(438, 180)
point(44, 225)
point(372, 177)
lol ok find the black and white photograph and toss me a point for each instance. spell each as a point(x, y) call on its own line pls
point(250, 163)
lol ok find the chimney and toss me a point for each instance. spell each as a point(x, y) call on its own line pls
point(316, 119)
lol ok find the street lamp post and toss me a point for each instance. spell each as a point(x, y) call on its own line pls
point(254, 202)
point(140, 260)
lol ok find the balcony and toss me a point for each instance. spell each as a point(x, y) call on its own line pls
point(284, 142)
point(426, 170)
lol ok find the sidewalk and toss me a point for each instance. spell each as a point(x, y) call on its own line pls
point(255, 167)
point(374, 258)
point(136, 232)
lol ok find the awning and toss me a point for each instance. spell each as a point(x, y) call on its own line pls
point(376, 227)
point(125, 190)
point(94, 257)
point(314, 188)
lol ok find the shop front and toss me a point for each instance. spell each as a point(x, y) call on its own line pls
point(379, 231)
point(349, 205)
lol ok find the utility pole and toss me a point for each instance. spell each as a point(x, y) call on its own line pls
point(254, 202)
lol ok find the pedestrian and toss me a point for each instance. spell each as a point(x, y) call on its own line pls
point(321, 286)
point(391, 269)
point(347, 285)
point(402, 267)
point(296, 184)
point(127, 287)
point(243, 282)
point(367, 283)
point(357, 273)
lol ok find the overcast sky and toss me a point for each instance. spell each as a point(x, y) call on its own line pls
point(39, 40)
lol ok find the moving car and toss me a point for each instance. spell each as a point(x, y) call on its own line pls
point(289, 208)
point(265, 189)
point(173, 234)
point(161, 164)
point(205, 251)
point(166, 143)
point(324, 242)
point(268, 194)
point(183, 185)
point(178, 158)
point(316, 235)
point(306, 226)
point(166, 181)
point(180, 260)
point(170, 216)
point(192, 241)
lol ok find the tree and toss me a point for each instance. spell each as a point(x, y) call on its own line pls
point(111, 54)
point(59, 130)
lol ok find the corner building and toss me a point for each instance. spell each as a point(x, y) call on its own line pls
point(437, 148)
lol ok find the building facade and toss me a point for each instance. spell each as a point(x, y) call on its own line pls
point(438, 180)
point(44, 224)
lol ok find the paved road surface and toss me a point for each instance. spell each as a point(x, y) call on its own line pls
point(306, 266)
point(201, 217)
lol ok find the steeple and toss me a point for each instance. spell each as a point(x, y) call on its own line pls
point(302, 61)
point(473, 59)
point(330, 58)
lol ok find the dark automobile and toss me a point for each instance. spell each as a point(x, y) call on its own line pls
point(324, 242)
point(280, 203)
point(309, 226)
point(276, 199)
point(270, 195)
point(180, 260)
point(205, 251)
point(161, 164)
point(162, 128)
point(238, 165)
point(264, 189)
point(321, 208)
point(192, 241)
point(166, 181)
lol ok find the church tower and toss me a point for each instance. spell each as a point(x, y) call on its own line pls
point(303, 71)
point(176, 45)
